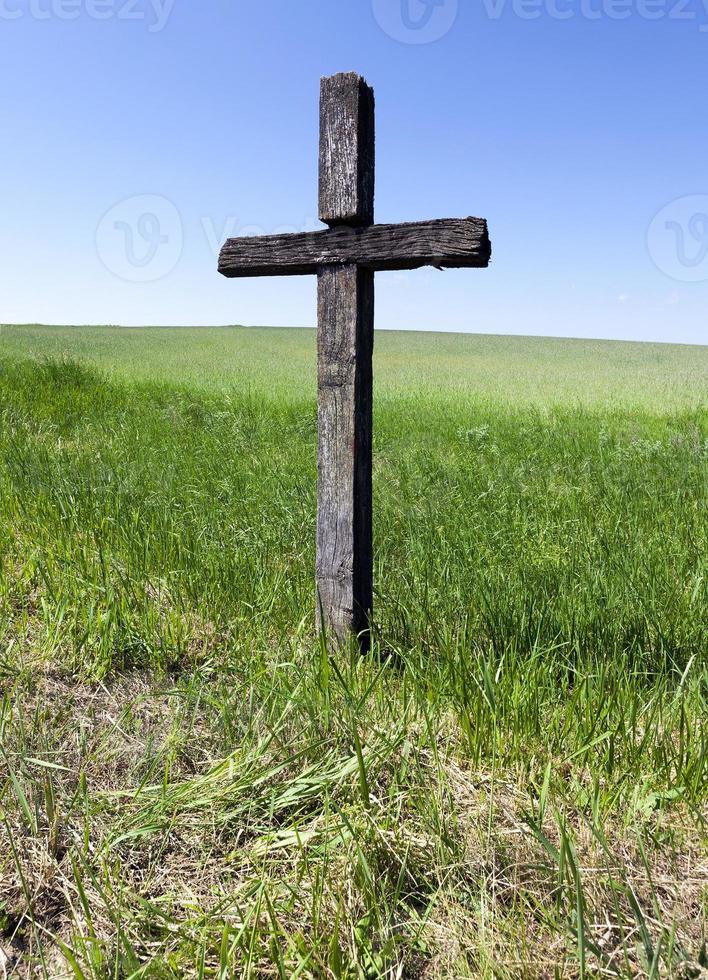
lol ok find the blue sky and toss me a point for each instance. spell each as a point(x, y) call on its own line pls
point(139, 133)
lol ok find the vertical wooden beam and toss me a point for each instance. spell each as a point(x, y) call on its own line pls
point(344, 547)
point(347, 150)
point(345, 341)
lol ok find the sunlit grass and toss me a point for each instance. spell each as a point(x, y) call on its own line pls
point(513, 784)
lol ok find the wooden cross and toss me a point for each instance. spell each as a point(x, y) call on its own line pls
point(345, 257)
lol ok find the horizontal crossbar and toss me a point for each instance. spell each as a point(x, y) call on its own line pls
point(454, 243)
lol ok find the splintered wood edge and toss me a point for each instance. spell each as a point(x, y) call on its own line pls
point(446, 243)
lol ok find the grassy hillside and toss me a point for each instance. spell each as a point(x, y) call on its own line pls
point(467, 368)
point(513, 785)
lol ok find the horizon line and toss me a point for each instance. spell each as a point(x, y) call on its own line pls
point(413, 330)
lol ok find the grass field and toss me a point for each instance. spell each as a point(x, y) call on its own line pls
point(514, 784)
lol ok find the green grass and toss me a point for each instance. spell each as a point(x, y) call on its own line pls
point(512, 785)
point(438, 368)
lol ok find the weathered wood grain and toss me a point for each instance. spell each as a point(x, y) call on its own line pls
point(452, 243)
point(347, 148)
point(345, 339)
point(345, 257)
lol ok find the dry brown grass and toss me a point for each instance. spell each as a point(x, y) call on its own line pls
point(133, 836)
